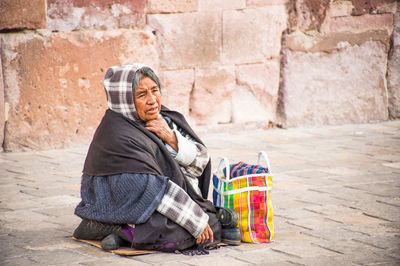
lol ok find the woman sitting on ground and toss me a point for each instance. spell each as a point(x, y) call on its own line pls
point(146, 175)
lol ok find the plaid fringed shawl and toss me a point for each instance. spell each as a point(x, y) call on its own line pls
point(176, 204)
point(118, 86)
point(180, 208)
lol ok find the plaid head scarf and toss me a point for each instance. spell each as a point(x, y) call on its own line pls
point(118, 85)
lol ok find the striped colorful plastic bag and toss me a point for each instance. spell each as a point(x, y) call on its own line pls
point(247, 189)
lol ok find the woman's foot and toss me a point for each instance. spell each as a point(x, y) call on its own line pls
point(93, 230)
point(231, 236)
point(229, 220)
point(227, 217)
point(112, 242)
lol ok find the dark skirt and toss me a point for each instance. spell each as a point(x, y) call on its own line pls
point(162, 234)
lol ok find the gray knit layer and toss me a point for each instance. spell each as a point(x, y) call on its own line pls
point(120, 199)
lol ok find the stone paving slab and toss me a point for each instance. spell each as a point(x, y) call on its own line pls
point(336, 200)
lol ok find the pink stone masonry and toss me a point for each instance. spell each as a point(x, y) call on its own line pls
point(255, 98)
point(252, 3)
point(54, 83)
point(211, 97)
point(295, 62)
point(361, 7)
point(172, 6)
point(252, 35)
point(22, 14)
point(394, 71)
point(176, 88)
point(307, 15)
point(356, 24)
point(346, 86)
point(2, 106)
point(262, 79)
point(207, 5)
point(71, 15)
point(187, 40)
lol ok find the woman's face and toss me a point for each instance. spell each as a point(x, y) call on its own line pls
point(147, 99)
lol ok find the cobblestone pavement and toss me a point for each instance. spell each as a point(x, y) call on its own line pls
point(336, 199)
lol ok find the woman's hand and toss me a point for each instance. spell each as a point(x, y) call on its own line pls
point(160, 127)
point(206, 235)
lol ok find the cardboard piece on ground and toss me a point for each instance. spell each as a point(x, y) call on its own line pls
point(125, 251)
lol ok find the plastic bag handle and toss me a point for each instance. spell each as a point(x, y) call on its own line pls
point(265, 156)
point(226, 161)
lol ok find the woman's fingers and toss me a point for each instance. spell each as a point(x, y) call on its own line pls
point(211, 234)
point(206, 235)
point(160, 127)
point(203, 238)
point(200, 239)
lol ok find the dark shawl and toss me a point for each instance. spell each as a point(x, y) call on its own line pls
point(121, 145)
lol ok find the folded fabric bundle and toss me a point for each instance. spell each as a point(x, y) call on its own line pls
point(241, 169)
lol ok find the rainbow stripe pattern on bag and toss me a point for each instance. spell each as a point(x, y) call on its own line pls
point(248, 192)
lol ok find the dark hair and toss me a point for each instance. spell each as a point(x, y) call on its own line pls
point(143, 72)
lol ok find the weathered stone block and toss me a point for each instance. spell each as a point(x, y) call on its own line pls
point(137, 4)
point(306, 15)
point(340, 9)
point(54, 83)
point(298, 41)
point(357, 24)
point(362, 7)
point(246, 107)
point(172, 6)
point(189, 39)
point(68, 15)
point(261, 78)
point(394, 71)
point(255, 99)
point(266, 2)
point(176, 88)
point(210, 102)
point(347, 86)
point(206, 5)
point(22, 14)
point(252, 35)
point(2, 106)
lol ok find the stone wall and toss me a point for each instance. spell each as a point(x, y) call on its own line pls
point(289, 62)
point(394, 70)
point(335, 63)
